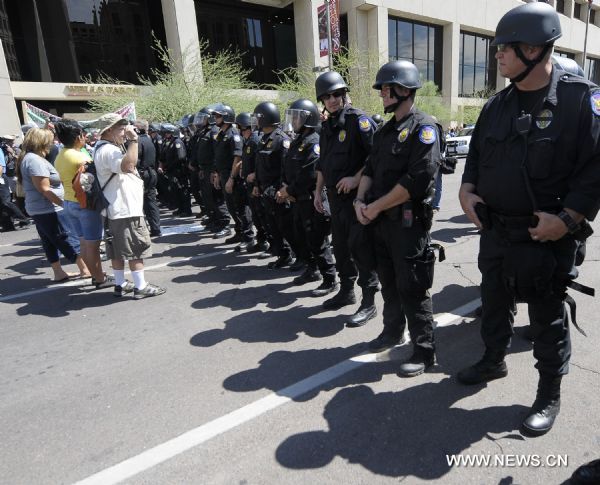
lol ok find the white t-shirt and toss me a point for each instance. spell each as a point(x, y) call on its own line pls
point(125, 191)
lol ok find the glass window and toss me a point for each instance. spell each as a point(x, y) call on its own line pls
point(419, 43)
point(564, 54)
point(102, 35)
point(592, 70)
point(577, 11)
point(560, 6)
point(592, 16)
point(264, 35)
point(477, 65)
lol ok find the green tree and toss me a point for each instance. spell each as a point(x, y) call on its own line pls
point(208, 78)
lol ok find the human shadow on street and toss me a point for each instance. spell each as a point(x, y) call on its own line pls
point(457, 347)
point(452, 296)
point(258, 326)
point(457, 219)
point(453, 234)
point(407, 433)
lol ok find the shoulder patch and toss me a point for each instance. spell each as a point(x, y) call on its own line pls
point(427, 134)
point(159, 142)
point(595, 101)
point(177, 145)
point(316, 149)
point(286, 144)
point(364, 124)
point(236, 138)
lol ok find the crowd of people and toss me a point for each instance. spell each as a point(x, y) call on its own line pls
point(349, 200)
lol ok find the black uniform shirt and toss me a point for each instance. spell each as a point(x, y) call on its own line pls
point(204, 157)
point(191, 147)
point(405, 152)
point(272, 149)
point(562, 155)
point(146, 153)
point(227, 144)
point(249, 154)
point(345, 142)
point(174, 154)
point(299, 166)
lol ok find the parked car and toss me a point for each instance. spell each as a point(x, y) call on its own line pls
point(458, 146)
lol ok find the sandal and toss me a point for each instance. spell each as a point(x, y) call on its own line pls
point(109, 281)
point(148, 290)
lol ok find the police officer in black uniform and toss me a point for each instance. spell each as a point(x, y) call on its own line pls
point(174, 165)
point(272, 148)
point(299, 182)
point(345, 142)
point(227, 147)
point(162, 183)
point(531, 180)
point(191, 141)
point(203, 161)
point(247, 179)
point(146, 167)
point(392, 202)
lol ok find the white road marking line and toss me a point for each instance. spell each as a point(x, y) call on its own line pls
point(190, 439)
point(86, 281)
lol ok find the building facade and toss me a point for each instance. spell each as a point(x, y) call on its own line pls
point(53, 49)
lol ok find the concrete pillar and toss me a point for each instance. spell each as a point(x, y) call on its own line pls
point(9, 121)
point(450, 64)
point(306, 28)
point(182, 35)
point(358, 29)
point(377, 21)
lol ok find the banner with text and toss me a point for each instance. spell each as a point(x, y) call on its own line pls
point(334, 8)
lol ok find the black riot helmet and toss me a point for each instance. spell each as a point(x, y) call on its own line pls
point(169, 128)
point(568, 65)
point(225, 111)
point(398, 73)
point(401, 73)
point(154, 128)
point(202, 117)
point(302, 113)
point(244, 120)
point(378, 119)
point(329, 82)
point(266, 114)
point(534, 23)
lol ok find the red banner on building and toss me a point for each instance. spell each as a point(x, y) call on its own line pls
point(334, 9)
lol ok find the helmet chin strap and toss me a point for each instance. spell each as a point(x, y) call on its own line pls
point(530, 63)
point(399, 100)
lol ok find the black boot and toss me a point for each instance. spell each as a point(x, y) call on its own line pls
point(259, 247)
point(280, 262)
point(365, 312)
point(297, 265)
point(588, 474)
point(236, 238)
point(309, 275)
point(545, 408)
point(385, 341)
point(419, 362)
point(342, 298)
point(328, 286)
point(490, 367)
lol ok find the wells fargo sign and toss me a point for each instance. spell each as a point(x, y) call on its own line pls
point(99, 89)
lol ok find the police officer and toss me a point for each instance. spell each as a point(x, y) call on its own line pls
point(191, 141)
point(299, 181)
point(203, 161)
point(146, 166)
point(272, 147)
point(162, 183)
point(174, 163)
point(247, 178)
point(227, 149)
point(345, 141)
point(540, 138)
point(391, 200)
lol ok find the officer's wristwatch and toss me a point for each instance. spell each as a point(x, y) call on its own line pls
point(572, 226)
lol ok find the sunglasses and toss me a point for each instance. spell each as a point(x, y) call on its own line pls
point(504, 47)
point(335, 94)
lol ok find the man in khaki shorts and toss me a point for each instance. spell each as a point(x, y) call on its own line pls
point(129, 237)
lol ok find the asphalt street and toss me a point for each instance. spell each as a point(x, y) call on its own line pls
point(235, 376)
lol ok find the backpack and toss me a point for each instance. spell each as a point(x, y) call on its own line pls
point(88, 191)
